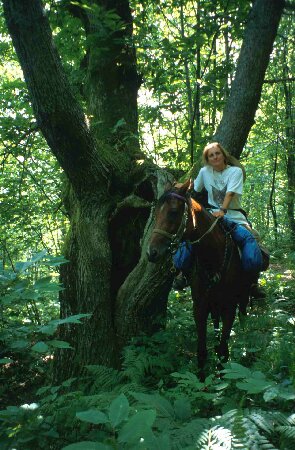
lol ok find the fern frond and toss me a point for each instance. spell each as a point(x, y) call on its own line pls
point(188, 434)
point(278, 418)
point(248, 429)
point(215, 438)
point(287, 431)
point(126, 388)
point(103, 378)
point(137, 364)
point(262, 421)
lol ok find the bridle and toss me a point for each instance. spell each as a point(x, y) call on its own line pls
point(176, 238)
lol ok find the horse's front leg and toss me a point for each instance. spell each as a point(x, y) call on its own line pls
point(228, 317)
point(201, 316)
point(215, 315)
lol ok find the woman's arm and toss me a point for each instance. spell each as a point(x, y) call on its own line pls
point(225, 204)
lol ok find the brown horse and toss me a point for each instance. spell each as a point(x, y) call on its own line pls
point(218, 284)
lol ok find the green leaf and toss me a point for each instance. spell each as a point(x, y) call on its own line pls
point(92, 416)
point(188, 379)
point(118, 411)
point(55, 261)
point(38, 256)
point(45, 285)
point(59, 344)
point(137, 426)
point(71, 319)
point(22, 266)
point(220, 386)
point(48, 329)
point(153, 442)
point(42, 390)
point(40, 347)
point(182, 408)
point(120, 123)
point(19, 344)
point(42, 282)
point(234, 371)
point(279, 392)
point(253, 385)
point(87, 445)
point(270, 394)
point(161, 404)
point(6, 361)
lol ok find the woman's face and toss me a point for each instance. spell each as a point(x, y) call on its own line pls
point(216, 158)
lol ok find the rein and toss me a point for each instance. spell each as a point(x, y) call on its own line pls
point(206, 232)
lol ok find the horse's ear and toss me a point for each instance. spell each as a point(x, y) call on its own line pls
point(183, 187)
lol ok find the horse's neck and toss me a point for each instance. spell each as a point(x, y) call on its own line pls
point(201, 221)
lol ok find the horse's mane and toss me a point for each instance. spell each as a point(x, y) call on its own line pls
point(196, 206)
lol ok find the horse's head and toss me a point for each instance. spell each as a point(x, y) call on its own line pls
point(170, 222)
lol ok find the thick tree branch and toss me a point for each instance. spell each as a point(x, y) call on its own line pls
point(280, 80)
point(239, 112)
point(58, 113)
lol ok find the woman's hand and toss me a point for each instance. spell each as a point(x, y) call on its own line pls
point(218, 214)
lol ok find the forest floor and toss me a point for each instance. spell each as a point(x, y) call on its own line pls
point(24, 376)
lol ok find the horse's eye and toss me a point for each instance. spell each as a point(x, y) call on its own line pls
point(172, 214)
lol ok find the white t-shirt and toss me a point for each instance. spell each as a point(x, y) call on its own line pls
point(218, 184)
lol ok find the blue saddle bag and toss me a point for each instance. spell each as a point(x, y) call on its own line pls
point(182, 257)
point(251, 256)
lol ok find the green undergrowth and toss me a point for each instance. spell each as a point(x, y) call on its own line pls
point(156, 401)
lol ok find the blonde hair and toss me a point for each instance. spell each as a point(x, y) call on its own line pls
point(228, 158)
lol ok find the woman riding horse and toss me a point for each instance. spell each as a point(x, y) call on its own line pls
point(218, 282)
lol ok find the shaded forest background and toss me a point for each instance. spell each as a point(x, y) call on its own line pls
point(186, 55)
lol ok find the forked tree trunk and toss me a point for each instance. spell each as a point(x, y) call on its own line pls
point(108, 193)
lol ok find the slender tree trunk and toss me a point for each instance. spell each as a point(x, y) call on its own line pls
point(197, 102)
point(214, 89)
point(239, 111)
point(227, 58)
point(272, 200)
point(290, 145)
point(188, 90)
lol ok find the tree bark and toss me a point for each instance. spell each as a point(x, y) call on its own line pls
point(112, 81)
point(239, 111)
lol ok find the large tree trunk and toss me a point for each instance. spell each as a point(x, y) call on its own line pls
point(109, 193)
point(112, 81)
point(239, 111)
